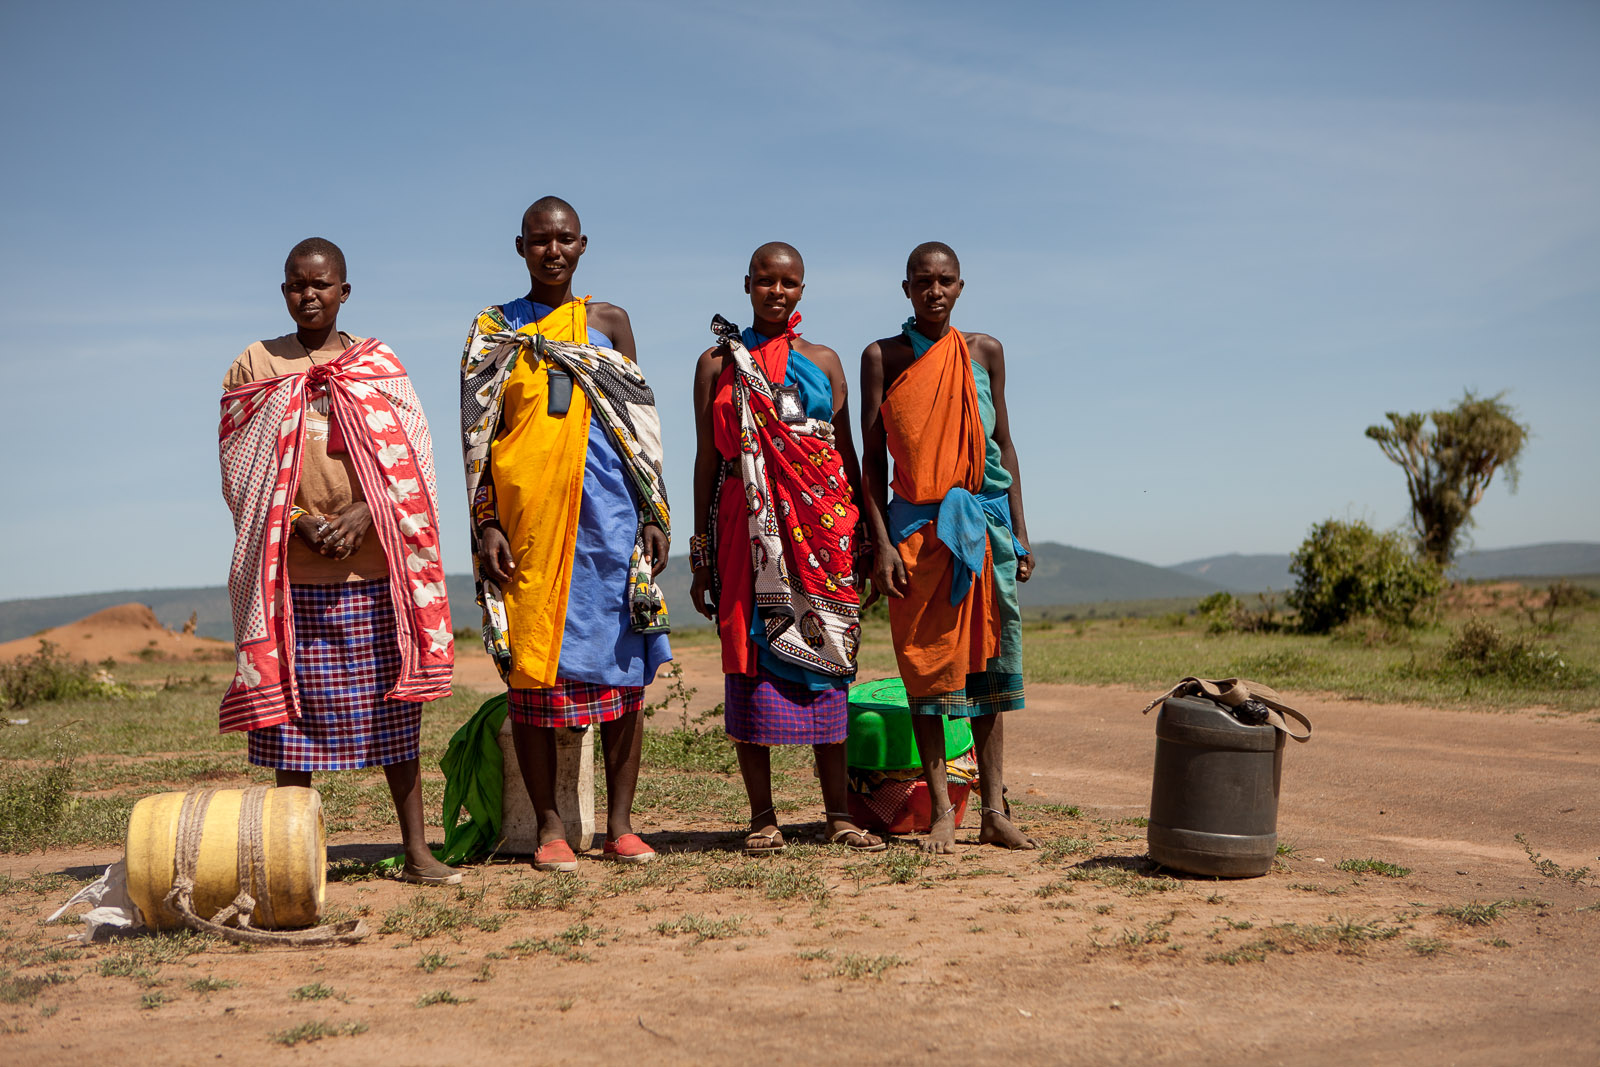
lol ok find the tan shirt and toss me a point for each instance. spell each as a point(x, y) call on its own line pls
point(328, 484)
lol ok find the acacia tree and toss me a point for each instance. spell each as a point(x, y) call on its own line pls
point(1449, 467)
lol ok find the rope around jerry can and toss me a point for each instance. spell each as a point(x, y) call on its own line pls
point(252, 865)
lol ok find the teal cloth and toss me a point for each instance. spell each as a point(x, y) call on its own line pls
point(816, 395)
point(474, 778)
point(962, 521)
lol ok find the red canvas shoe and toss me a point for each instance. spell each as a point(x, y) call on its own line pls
point(555, 856)
point(629, 848)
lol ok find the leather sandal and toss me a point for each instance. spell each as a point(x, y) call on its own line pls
point(858, 842)
point(773, 837)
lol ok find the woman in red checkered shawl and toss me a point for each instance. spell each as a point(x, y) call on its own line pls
point(368, 646)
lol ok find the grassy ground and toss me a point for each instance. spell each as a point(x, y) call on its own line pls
point(1554, 664)
point(71, 775)
point(1553, 660)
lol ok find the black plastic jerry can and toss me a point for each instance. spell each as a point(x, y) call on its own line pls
point(1214, 800)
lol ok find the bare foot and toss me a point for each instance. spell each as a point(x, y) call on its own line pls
point(998, 830)
point(942, 835)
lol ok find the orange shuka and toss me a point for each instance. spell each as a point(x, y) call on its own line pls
point(937, 439)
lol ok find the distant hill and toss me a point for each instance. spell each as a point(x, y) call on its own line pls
point(1063, 575)
point(1255, 574)
point(1240, 574)
point(214, 617)
point(1556, 558)
point(1066, 575)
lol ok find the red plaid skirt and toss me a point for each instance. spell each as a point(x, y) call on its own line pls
point(573, 703)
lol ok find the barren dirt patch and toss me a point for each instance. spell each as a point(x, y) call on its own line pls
point(1406, 920)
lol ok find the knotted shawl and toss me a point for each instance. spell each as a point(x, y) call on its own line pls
point(935, 433)
point(801, 520)
point(625, 405)
point(372, 403)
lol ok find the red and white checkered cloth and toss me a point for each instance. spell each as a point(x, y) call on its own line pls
point(377, 412)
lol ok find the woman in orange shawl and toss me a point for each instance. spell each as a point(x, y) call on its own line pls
point(951, 544)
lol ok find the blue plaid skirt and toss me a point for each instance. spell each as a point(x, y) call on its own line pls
point(345, 659)
point(766, 710)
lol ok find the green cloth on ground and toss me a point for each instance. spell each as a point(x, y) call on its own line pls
point(474, 773)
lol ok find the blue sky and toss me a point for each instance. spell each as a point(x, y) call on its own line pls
point(1217, 240)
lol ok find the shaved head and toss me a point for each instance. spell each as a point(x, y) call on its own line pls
point(317, 246)
point(777, 250)
point(928, 249)
point(549, 205)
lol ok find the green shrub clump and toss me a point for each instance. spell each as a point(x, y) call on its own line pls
point(44, 676)
point(33, 801)
point(1347, 570)
point(1480, 649)
point(1225, 613)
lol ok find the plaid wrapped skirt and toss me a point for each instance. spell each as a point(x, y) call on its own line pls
point(345, 659)
point(986, 693)
point(569, 703)
point(763, 709)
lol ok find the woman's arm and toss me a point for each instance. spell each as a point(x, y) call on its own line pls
point(996, 361)
point(888, 570)
point(707, 465)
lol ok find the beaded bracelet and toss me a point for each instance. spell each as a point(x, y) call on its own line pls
point(699, 552)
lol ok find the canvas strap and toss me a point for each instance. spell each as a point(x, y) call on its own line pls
point(1230, 693)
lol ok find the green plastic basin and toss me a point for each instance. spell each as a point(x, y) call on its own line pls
point(880, 736)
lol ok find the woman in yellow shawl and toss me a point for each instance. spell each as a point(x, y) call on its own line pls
point(557, 523)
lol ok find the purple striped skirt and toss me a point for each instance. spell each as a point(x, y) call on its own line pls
point(346, 658)
point(763, 709)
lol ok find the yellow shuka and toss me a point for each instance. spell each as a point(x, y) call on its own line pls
point(537, 463)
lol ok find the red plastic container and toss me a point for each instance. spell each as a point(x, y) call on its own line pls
point(913, 814)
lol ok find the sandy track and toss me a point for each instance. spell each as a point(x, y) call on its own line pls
point(992, 971)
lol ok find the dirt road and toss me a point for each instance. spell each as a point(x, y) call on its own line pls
point(1080, 954)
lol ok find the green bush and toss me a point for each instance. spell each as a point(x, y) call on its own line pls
point(1480, 649)
point(1347, 570)
point(33, 801)
point(44, 676)
point(1218, 611)
point(1225, 613)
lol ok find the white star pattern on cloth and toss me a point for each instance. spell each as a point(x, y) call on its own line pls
point(412, 524)
point(441, 638)
point(425, 593)
point(402, 489)
point(378, 421)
